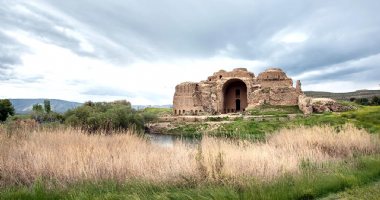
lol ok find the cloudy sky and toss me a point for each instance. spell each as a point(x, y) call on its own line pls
point(139, 50)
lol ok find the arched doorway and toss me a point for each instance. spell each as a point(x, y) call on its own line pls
point(234, 96)
point(237, 103)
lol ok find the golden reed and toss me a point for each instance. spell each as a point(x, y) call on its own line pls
point(68, 155)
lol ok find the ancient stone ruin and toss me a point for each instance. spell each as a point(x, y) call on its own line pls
point(235, 91)
point(309, 105)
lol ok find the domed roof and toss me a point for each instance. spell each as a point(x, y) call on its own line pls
point(187, 83)
point(272, 74)
point(273, 69)
point(240, 69)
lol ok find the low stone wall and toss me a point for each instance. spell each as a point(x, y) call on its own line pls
point(224, 117)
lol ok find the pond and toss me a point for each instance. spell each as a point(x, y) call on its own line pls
point(169, 140)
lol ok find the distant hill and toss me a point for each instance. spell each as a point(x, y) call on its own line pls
point(23, 106)
point(344, 96)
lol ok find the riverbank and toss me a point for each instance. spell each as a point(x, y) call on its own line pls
point(292, 164)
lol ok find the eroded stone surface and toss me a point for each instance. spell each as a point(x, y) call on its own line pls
point(309, 105)
point(235, 91)
point(304, 104)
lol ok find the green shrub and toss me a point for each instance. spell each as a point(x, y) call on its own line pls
point(43, 114)
point(6, 109)
point(375, 100)
point(362, 101)
point(106, 117)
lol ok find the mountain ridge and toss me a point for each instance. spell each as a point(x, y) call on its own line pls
point(24, 106)
point(344, 95)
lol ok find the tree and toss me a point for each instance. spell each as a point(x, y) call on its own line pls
point(45, 114)
point(47, 106)
point(37, 108)
point(365, 101)
point(102, 116)
point(6, 109)
point(38, 112)
point(375, 100)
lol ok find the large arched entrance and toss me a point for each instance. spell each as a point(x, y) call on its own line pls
point(234, 96)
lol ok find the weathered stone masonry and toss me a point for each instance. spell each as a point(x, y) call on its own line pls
point(235, 91)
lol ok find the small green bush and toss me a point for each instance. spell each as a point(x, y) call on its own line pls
point(106, 117)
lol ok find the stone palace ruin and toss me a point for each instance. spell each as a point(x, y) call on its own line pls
point(235, 91)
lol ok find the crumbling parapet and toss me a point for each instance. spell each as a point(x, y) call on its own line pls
point(298, 86)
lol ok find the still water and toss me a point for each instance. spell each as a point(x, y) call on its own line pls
point(170, 140)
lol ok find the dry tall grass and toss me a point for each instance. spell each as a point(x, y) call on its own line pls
point(68, 156)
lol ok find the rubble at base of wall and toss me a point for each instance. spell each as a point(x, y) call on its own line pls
point(310, 105)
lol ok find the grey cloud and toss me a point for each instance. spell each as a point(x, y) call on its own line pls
point(343, 74)
point(19, 15)
point(326, 52)
point(10, 52)
point(166, 29)
point(32, 79)
point(338, 31)
point(342, 32)
point(5, 74)
point(10, 56)
point(361, 70)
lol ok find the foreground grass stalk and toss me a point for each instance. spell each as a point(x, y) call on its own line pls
point(70, 156)
point(310, 184)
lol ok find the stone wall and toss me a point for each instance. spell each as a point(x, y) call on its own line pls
point(275, 96)
point(187, 99)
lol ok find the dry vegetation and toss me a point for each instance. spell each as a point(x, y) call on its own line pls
point(69, 156)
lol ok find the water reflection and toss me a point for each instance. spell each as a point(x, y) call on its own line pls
point(169, 140)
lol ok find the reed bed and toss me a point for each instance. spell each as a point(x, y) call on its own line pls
point(69, 156)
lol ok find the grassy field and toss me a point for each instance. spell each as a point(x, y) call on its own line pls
point(357, 179)
point(299, 163)
point(370, 191)
point(157, 111)
point(275, 110)
point(194, 130)
point(366, 117)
